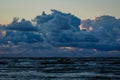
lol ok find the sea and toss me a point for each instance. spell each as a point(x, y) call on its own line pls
point(65, 68)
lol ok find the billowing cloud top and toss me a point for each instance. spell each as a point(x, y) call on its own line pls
point(62, 33)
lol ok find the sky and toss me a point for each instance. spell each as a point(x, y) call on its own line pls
point(83, 9)
point(66, 28)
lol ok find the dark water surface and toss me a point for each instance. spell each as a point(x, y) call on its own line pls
point(59, 68)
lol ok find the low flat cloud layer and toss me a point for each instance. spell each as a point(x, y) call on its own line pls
point(61, 34)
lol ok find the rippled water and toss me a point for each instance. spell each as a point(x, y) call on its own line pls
point(59, 68)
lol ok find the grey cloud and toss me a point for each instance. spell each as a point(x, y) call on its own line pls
point(23, 25)
point(58, 29)
point(59, 20)
point(107, 30)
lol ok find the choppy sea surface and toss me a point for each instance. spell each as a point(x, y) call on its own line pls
point(59, 68)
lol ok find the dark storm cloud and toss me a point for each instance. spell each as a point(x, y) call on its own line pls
point(20, 31)
point(104, 26)
point(106, 29)
point(58, 21)
point(23, 25)
point(49, 27)
point(58, 29)
point(18, 36)
point(61, 29)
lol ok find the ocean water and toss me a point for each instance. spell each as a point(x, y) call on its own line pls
point(59, 68)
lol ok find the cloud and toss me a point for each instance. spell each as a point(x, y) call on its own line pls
point(23, 25)
point(104, 26)
point(106, 29)
point(48, 27)
point(19, 31)
point(58, 27)
point(58, 21)
point(62, 33)
point(15, 37)
point(62, 29)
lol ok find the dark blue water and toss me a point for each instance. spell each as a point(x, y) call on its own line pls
point(59, 68)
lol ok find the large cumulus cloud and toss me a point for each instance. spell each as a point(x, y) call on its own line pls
point(58, 21)
point(107, 29)
point(61, 29)
point(62, 33)
point(19, 31)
